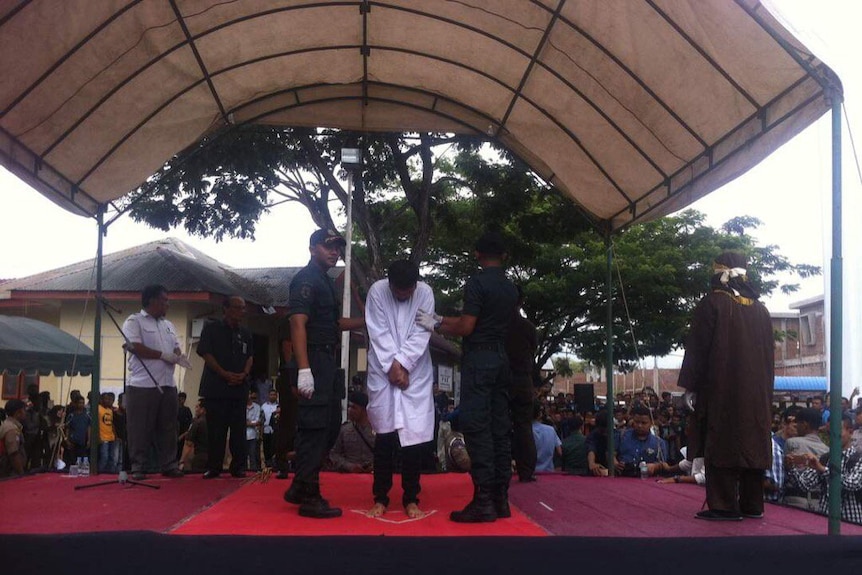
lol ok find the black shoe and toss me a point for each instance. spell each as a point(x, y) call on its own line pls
point(501, 502)
point(238, 474)
point(173, 473)
point(318, 508)
point(529, 479)
point(758, 515)
point(281, 474)
point(211, 474)
point(715, 515)
point(480, 510)
point(139, 475)
point(295, 494)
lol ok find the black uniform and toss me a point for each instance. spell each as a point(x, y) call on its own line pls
point(225, 404)
point(285, 432)
point(486, 377)
point(312, 293)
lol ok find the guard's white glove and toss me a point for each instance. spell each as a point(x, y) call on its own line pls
point(690, 398)
point(305, 383)
point(169, 357)
point(428, 321)
point(183, 361)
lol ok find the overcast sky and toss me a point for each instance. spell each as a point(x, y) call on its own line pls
point(789, 192)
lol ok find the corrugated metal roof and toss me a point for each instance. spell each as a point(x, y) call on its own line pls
point(800, 383)
point(172, 263)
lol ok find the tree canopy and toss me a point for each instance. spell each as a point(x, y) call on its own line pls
point(429, 196)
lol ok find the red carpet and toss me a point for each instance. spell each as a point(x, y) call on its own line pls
point(627, 507)
point(48, 503)
point(258, 509)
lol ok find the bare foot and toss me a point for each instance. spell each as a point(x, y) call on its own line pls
point(413, 512)
point(376, 511)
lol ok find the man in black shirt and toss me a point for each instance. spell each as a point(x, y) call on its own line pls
point(489, 302)
point(228, 354)
point(315, 322)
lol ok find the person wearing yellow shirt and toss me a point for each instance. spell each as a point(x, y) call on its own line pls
point(107, 437)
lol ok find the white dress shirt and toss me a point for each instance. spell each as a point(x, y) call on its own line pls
point(158, 334)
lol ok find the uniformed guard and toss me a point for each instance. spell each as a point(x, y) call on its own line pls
point(315, 324)
point(489, 302)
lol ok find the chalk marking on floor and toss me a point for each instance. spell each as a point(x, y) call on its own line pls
point(542, 503)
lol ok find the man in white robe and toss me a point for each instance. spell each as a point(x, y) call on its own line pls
point(400, 374)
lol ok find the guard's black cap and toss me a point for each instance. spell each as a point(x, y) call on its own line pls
point(326, 237)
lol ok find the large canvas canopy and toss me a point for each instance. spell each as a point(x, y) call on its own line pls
point(34, 346)
point(631, 108)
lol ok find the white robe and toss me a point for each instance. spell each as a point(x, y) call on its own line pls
point(394, 335)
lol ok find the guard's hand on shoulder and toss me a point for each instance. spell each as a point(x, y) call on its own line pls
point(428, 321)
point(305, 383)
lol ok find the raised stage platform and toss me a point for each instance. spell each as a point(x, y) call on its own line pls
point(559, 522)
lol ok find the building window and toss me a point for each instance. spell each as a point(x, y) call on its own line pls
point(10, 385)
point(808, 332)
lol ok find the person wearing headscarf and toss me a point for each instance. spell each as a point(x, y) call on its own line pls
point(729, 370)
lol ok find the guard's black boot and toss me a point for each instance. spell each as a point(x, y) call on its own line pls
point(318, 508)
point(297, 493)
point(479, 510)
point(501, 501)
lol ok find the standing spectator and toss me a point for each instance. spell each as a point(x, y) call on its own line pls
point(253, 420)
point(400, 375)
point(151, 393)
point(121, 445)
point(729, 364)
point(34, 429)
point(548, 444)
point(107, 436)
point(78, 425)
point(315, 321)
point(268, 409)
point(773, 485)
point(814, 476)
point(818, 404)
point(489, 302)
point(597, 445)
point(56, 436)
point(521, 342)
point(228, 355)
point(575, 449)
point(195, 451)
point(184, 420)
point(13, 455)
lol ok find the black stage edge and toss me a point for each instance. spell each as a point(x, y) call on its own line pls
point(147, 553)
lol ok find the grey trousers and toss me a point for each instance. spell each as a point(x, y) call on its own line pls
point(151, 421)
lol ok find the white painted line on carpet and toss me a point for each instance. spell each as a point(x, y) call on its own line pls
point(542, 503)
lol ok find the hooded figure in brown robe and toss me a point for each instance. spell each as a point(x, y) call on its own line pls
point(729, 365)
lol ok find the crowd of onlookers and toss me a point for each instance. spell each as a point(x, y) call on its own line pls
point(649, 436)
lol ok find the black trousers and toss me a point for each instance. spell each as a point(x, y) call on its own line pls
point(521, 397)
point(224, 415)
point(734, 489)
point(314, 421)
point(285, 434)
point(485, 423)
point(385, 448)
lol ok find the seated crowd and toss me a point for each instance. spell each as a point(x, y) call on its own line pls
point(649, 437)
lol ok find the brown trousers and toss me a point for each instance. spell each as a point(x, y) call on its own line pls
point(734, 489)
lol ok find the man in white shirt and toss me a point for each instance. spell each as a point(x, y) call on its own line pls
point(151, 393)
point(400, 374)
point(253, 420)
point(269, 408)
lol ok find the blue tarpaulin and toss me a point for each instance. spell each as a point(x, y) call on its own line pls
point(800, 383)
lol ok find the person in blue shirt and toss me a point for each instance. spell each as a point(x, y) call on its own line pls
point(547, 441)
point(638, 443)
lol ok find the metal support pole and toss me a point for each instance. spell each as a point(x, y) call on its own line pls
point(609, 353)
point(345, 302)
point(97, 345)
point(836, 342)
